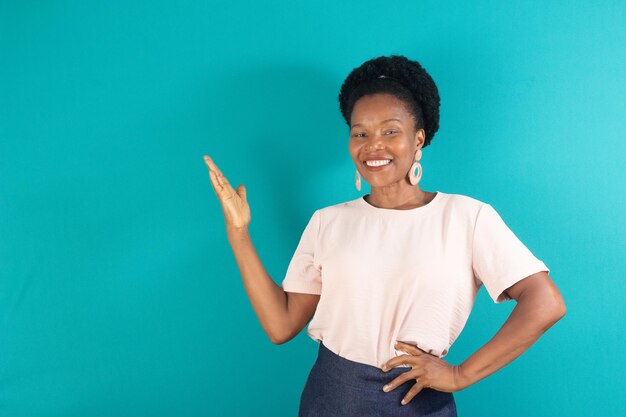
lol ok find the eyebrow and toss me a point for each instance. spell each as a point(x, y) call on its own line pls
point(384, 121)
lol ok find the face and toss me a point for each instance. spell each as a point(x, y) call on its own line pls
point(383, 129)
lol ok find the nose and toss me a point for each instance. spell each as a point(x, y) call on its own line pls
point(374, 142)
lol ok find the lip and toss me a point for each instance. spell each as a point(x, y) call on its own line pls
point(376, 158)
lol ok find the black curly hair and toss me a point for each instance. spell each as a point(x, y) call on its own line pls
point(401, 77)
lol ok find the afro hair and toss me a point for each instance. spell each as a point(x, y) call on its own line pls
point(401, 77)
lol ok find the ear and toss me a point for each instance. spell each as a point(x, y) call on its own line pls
point(420, 137)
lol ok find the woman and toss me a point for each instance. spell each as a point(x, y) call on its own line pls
point(388, 280)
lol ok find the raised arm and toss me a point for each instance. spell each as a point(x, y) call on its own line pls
point(281, 314)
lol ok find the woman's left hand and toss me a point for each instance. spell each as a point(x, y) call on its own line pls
point(428, 370)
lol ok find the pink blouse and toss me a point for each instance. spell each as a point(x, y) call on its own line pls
point(387, 275)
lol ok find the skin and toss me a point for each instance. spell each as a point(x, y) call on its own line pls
point(539, 305)
point(372, 133)
point(283, 315)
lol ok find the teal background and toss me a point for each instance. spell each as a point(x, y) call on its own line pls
point(119, 294)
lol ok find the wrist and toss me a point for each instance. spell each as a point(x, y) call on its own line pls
point(462, 379)
point(234, 232)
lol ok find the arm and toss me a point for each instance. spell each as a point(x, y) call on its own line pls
point(281, 314)
point(539, 306)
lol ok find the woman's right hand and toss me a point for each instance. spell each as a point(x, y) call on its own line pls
point(234, 203)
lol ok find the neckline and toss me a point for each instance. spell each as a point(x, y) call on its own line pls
point(422, 209)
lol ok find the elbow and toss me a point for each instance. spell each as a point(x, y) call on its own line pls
point(558, 304)
point(557, 310)
point(279, 339)
point(551, 302)
point(560, 310)
point(548, 308)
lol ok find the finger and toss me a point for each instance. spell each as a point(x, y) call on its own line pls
point(223, 192)
point(209, 161)
point(213, 166)
point(241, 190)
point(214, 182)
point(398, 360)
point(415, 389)
point(408, 348)
point(212, 172)
point(219, 181)
point(210, 164)
point(401, 379)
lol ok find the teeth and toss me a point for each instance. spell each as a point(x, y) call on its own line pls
point(378, 163)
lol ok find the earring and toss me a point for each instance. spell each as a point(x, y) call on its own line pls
point(413, 177)
point(357, 180)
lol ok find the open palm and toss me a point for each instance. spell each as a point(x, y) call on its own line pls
point(234, 203)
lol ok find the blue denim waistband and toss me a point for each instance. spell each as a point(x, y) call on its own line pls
point(356, 374)
point(340, 387)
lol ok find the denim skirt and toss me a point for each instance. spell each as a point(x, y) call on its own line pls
point(338, 387)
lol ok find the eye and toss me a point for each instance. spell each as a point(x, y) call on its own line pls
point(391, 131)
point(358, 134)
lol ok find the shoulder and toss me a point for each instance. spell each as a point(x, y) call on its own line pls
point(464, 202)
point(337, 212)
point(343, 207)
point(461, 209)
point(334, 209)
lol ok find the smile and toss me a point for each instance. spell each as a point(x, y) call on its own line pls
point(377, 165)
point(378, 162)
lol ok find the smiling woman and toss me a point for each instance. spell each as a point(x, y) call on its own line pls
point(382, 137)
point(387, 281)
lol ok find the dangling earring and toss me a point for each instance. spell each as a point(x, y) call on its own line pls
point(413, 177)
point(357, 180)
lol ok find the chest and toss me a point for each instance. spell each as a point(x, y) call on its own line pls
point(371, 257)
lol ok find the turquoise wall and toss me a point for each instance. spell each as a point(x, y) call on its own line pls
point(119, 294)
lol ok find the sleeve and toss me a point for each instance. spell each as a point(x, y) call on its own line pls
point(304, 274)
point(499, 258)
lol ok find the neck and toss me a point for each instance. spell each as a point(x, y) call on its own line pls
point(398, 196)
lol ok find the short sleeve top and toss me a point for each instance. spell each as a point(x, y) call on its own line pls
point(387, 275)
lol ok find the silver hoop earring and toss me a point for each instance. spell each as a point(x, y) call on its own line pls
point(357, 180)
